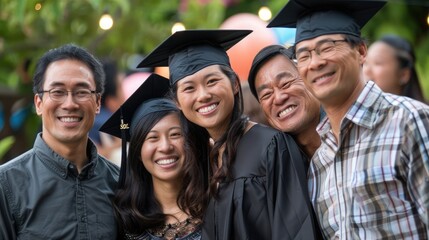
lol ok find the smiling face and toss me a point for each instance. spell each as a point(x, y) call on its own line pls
point(336, 79)
point(206, 98)
point(68, 121)
point(287, 104)
point(163, 152)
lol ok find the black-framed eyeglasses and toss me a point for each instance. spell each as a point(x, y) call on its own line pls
point(60, 95)
point(324, 50)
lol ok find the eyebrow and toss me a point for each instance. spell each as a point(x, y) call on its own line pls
point(260, 88)
point(212, 74)
point(175, 127)
point(317, 44)
point(277, 79)
point(208, 75)
point(78, 85)
point(61, 84)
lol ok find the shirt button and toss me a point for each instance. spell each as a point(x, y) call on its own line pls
point(83, 219)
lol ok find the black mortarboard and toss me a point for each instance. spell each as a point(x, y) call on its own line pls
point(153, 87)
point(313, 18)
point(262, 56)
point(188, 51)
point(148, 98)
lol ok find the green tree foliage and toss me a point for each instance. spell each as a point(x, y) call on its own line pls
point(140, 25)
point(25, 33)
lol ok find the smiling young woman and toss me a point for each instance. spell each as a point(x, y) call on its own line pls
point(161, 184)
point(256, 174)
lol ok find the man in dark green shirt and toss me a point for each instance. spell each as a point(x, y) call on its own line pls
point(61, 188)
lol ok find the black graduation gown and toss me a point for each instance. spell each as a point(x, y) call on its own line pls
point(267, 199)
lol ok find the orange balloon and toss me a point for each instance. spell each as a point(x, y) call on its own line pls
point(163, 71)
point(241, 55)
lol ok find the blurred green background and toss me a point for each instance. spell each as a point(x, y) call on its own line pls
point(28, 28)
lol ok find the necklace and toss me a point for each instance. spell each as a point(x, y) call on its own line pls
point(175, 230)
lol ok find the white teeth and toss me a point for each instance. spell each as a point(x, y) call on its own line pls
point(286, 111)
point(69, 119)
point(207, 109)
point(322, 78)
point(166, 161)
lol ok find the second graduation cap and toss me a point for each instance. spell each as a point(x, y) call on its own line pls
point(187, 52)
point(313, 18)
point(148, 98)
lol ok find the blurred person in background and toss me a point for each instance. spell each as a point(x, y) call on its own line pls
point(390, 63)
point(111, 100)
point(252, 109)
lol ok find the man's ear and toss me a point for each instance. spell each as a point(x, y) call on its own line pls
point(98, 102)
point(38, 103)
point(362, 50)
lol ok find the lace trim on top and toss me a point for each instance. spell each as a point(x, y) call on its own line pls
point(176, 230)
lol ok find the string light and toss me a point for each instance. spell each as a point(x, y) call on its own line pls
point(38, 6)
point(178, 26)
point(264, 13)
point(106, 22)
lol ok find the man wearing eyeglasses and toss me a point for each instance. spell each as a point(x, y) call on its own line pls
point(61, 189)
point(370, 177)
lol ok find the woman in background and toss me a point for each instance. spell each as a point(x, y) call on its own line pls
point(390, 63)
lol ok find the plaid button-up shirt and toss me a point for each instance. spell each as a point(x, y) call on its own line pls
point(374, 183)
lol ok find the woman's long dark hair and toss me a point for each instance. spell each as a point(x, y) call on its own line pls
point(406, 59)
point(135, 205)
point(230, 138)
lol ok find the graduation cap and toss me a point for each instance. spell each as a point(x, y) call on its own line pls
point(188, 51)
point(313, 18)
point(262, 56)
point(148, 98)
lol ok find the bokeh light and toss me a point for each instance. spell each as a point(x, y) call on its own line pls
point(264, 13)
point(38, 6)
point(106, 22)
point(178, 26)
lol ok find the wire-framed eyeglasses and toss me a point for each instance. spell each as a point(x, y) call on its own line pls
point(324, 50)
point(60, 95)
